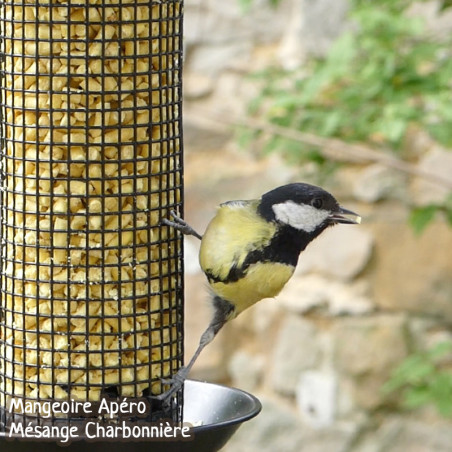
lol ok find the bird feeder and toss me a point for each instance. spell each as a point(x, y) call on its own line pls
point(91, 160)
point(91, 283)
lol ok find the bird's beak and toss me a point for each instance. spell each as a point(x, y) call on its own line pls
point(345, 216)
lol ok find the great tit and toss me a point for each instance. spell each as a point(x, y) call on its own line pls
point(250, 250)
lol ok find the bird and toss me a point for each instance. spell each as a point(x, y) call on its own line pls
point(250, 250)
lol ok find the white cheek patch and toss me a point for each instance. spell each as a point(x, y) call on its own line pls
point(300, 216)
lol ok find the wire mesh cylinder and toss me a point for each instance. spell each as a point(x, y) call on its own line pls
point(91, 161)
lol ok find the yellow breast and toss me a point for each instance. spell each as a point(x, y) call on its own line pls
point(263, 280)
point(233, 233)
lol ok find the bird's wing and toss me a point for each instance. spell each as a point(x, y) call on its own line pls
point(233, 233)
point(235, 204)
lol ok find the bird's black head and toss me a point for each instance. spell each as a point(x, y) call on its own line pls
point(304, 207)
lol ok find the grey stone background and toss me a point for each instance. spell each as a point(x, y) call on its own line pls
point(363, 297)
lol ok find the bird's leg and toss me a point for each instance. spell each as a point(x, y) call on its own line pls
point(181, 225)
point(179, 378)
point(223, 311)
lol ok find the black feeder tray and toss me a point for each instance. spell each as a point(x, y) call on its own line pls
point(216, 411)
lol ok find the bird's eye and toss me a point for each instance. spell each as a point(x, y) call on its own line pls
point(317, 203)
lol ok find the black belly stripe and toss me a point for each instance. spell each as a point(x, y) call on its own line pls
point(284, 248)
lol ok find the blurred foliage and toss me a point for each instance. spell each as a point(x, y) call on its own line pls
point(247, 4)
point(374, 82)
point(421, 216)
point(445, 4)
point(381, 76)
point(422, 380)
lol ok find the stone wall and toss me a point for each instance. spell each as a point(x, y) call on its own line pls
point(363, 297)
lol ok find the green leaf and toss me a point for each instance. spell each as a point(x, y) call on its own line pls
point(414, 370)
point(445, 407)
point(245, 5)
point(440, 350)
point(245, 137)
point(417, 397)
point(446, 4)
point(393, 129)
point(421, 217)
point(448, 213)
point(422, 381)
point(331, 123)
point(441, 390)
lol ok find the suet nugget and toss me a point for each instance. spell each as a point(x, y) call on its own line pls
point(250, 250)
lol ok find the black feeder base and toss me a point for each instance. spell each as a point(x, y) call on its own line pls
point(215, 411)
